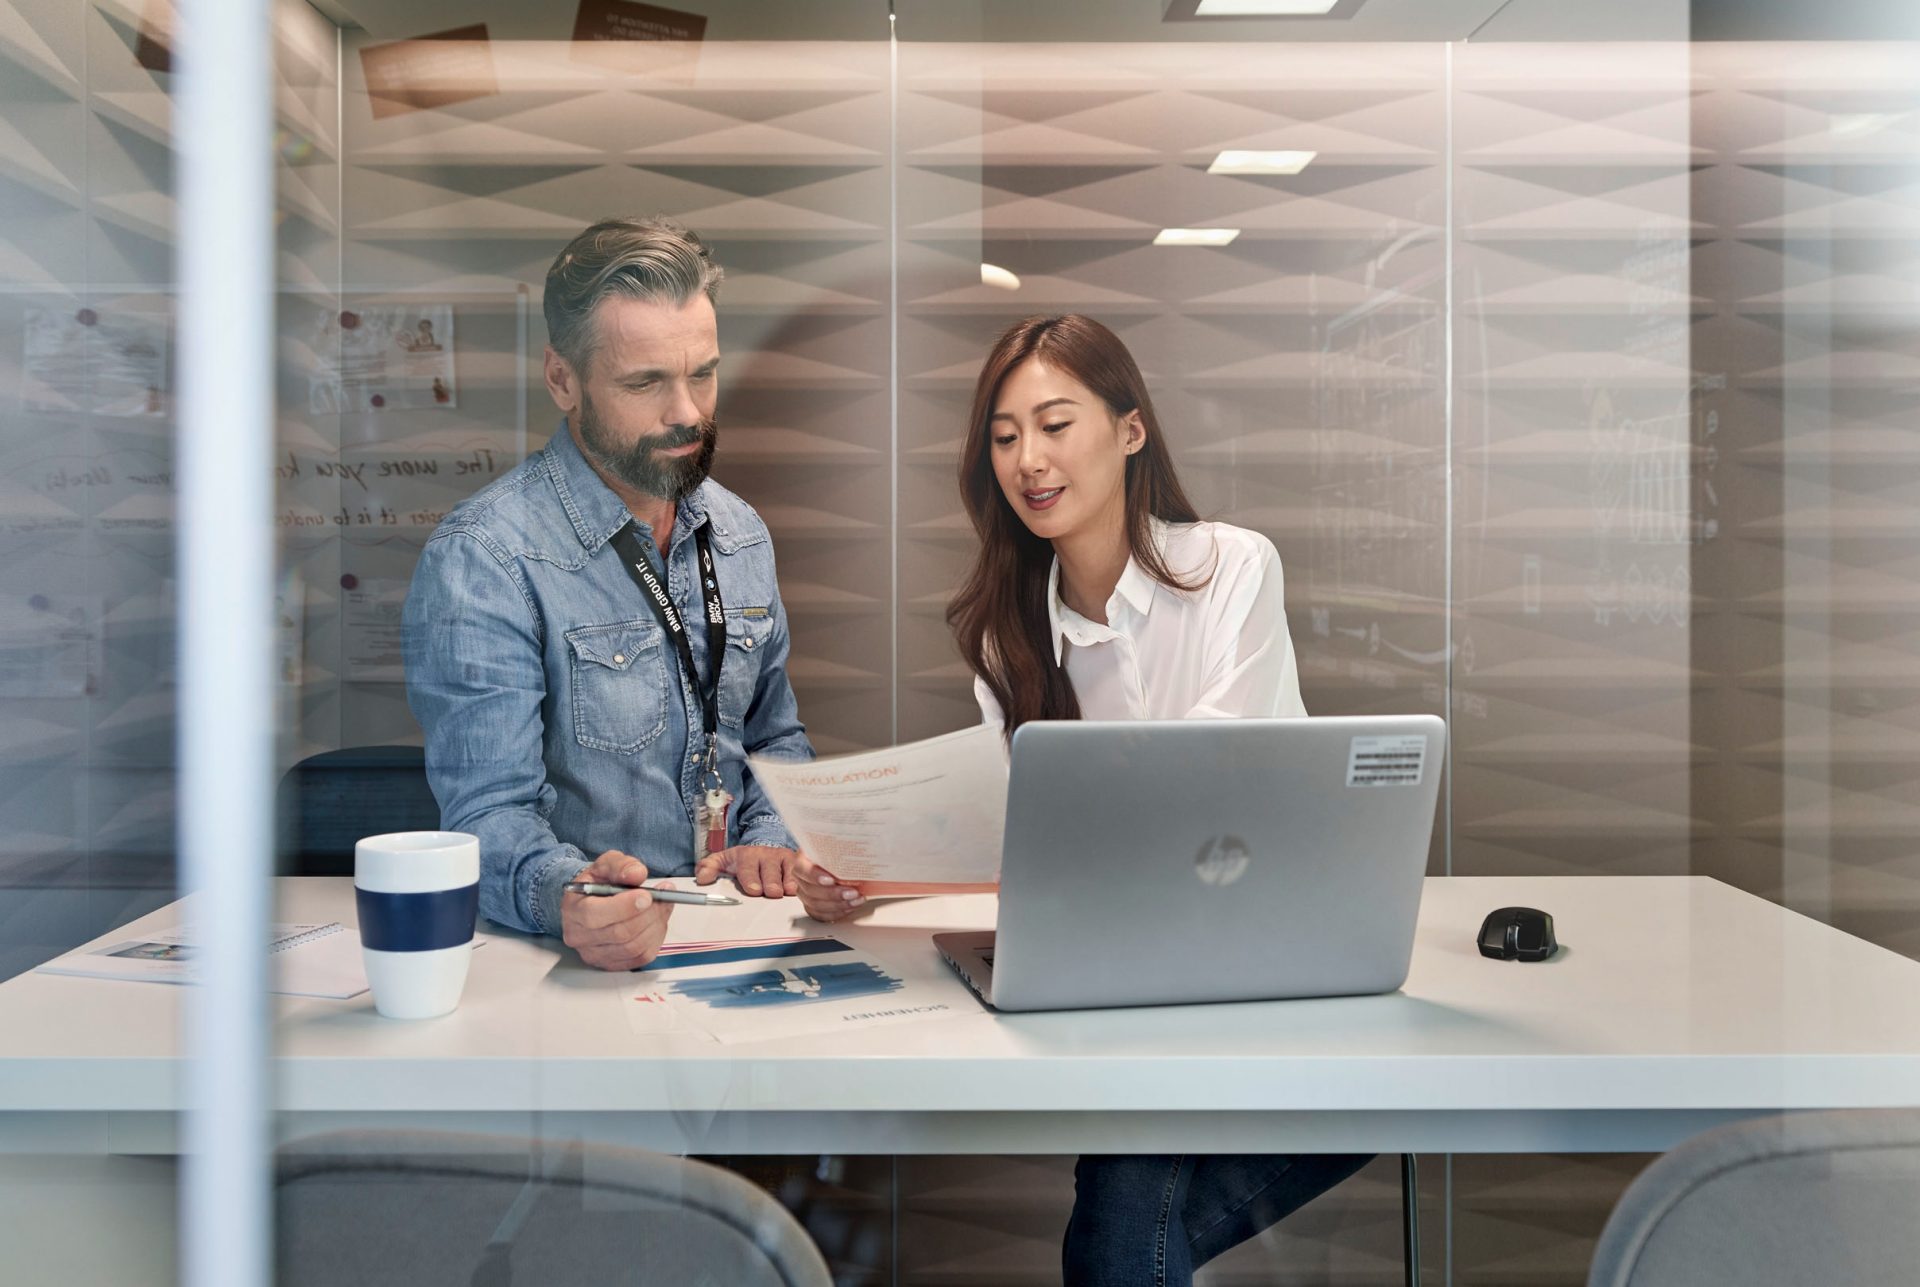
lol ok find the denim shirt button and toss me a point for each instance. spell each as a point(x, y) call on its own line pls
point(747, 643)
point(619, 659)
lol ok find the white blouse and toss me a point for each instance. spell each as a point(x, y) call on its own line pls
point(1218, 652)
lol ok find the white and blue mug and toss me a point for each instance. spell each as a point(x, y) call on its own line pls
point(418, 893)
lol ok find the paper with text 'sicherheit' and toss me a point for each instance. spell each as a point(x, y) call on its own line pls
point(923, 818)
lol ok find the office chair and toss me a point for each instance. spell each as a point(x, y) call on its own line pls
point(432, 1209)
point(328, 801)
point(1823, 1197)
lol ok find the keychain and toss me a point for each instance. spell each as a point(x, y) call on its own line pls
point(710, 822)
point(713, 821)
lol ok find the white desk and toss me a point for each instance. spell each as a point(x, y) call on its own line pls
point(1674, 1004)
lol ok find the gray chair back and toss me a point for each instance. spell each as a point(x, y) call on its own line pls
point(425, 1209)
point(1828, 1197)
point(328, 801)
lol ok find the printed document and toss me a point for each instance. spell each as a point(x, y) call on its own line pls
point(308, 960)
point(762, 989)
point(923, 818)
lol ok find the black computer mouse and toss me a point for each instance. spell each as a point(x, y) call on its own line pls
point(1517, 934)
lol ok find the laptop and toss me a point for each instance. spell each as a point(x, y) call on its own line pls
point(1173, 861)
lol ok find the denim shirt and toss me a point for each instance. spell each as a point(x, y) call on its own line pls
point(558, 721)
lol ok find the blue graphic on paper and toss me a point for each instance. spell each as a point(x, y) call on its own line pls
point(751, 952)
point(797, 984)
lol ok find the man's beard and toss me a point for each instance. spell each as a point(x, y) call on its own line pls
point(640, 466)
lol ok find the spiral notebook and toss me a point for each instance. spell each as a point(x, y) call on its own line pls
point(308, 960)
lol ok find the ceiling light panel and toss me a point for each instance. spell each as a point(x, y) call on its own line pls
point(1195, 236)
point(1263, 8)
point(1233, 162)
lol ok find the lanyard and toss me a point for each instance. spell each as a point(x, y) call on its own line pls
point(633, 553)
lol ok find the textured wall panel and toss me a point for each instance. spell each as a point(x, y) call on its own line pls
point(777, 155)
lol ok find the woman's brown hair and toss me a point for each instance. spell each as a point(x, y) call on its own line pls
point(999, 614)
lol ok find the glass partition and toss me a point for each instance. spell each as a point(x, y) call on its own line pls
point(1297, 372)
point(1577, 444)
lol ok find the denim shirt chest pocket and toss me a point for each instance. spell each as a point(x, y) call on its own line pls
point(619, 674)
point(745, 568)
point(749, 629)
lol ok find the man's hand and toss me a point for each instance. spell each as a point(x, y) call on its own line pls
point(825, 898)
point(618, 933)
point(757, 869)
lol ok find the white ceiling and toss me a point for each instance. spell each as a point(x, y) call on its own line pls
point(994, 20)
point(1130, 20)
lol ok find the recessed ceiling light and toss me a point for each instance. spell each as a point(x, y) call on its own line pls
point(995, 275)
point(1859, 124)
point(1232, 162)
point(1279, 10)
point(1262, 8)
point(1195, 236)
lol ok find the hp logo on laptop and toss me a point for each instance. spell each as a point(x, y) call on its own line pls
point(1222, 860)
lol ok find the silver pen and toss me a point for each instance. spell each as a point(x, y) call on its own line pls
point(593, 889)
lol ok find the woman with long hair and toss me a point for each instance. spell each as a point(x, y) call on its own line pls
point(1085, 533)
point(1098, 593)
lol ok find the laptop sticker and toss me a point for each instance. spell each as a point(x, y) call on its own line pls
point(1387, 761)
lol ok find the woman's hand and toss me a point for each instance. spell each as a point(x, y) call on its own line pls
point(757, 869)
point(825, 898)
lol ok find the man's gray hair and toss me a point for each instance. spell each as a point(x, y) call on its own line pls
point(651, 259)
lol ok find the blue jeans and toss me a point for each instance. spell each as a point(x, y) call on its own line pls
point(1152, 1221)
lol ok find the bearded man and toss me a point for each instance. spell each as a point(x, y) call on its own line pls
point(595, 642)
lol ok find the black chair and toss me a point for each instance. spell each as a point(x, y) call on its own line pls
point(328, 801)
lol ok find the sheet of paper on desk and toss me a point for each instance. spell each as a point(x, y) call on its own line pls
point(308, 960)
point(761, 990)
point(926, 817)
